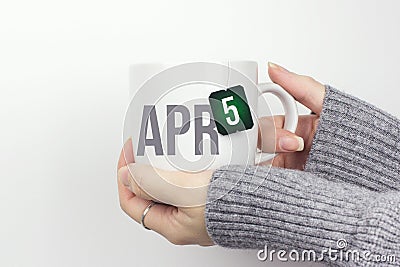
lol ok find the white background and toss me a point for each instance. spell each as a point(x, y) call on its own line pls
point(64, 91)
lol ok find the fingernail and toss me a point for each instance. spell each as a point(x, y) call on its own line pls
point(277, 67)
point(123, 175)
point(291, 143)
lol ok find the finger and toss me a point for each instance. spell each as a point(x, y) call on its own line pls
point(273, 139)
point(134, 206)
point(304, 89)
point(131, 184)
point(156, 219)
point(171, 187)
point(126, 155)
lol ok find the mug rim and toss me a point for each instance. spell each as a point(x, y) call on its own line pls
point(176, 63)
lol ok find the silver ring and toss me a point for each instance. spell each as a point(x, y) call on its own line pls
point(146, 210)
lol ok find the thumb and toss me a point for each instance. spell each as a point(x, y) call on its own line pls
point(272, 138)
point(304, 89)
point(170, 187)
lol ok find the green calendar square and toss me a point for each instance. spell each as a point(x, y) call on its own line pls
point(230, 110)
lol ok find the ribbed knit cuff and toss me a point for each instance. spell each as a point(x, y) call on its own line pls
point(356, 148)
point(357, 143)
point(378, 230)
point(288, 209)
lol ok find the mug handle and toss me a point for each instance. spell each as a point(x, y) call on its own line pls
point(291, 113)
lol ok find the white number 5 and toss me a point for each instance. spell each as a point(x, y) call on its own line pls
point(230, 108)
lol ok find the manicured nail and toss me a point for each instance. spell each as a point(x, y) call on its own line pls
point(277, 67)
point(291, 143)
point(123, 175)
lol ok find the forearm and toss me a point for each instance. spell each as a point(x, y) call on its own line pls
point(285, 209)
point(357, 143)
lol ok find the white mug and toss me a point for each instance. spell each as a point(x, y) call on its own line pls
point(172, 124)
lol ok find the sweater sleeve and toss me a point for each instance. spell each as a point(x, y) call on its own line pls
point(259, 207)
point(350, 190)
point(357, 143)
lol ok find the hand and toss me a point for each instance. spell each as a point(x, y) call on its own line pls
point(308, 92)
point(179, 225)
point(186, 225)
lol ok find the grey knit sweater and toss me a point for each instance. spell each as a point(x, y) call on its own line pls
point(347, 199)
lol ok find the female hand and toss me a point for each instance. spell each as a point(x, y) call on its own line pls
point(306, 91)
point(179, 225)
point(186, 225)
